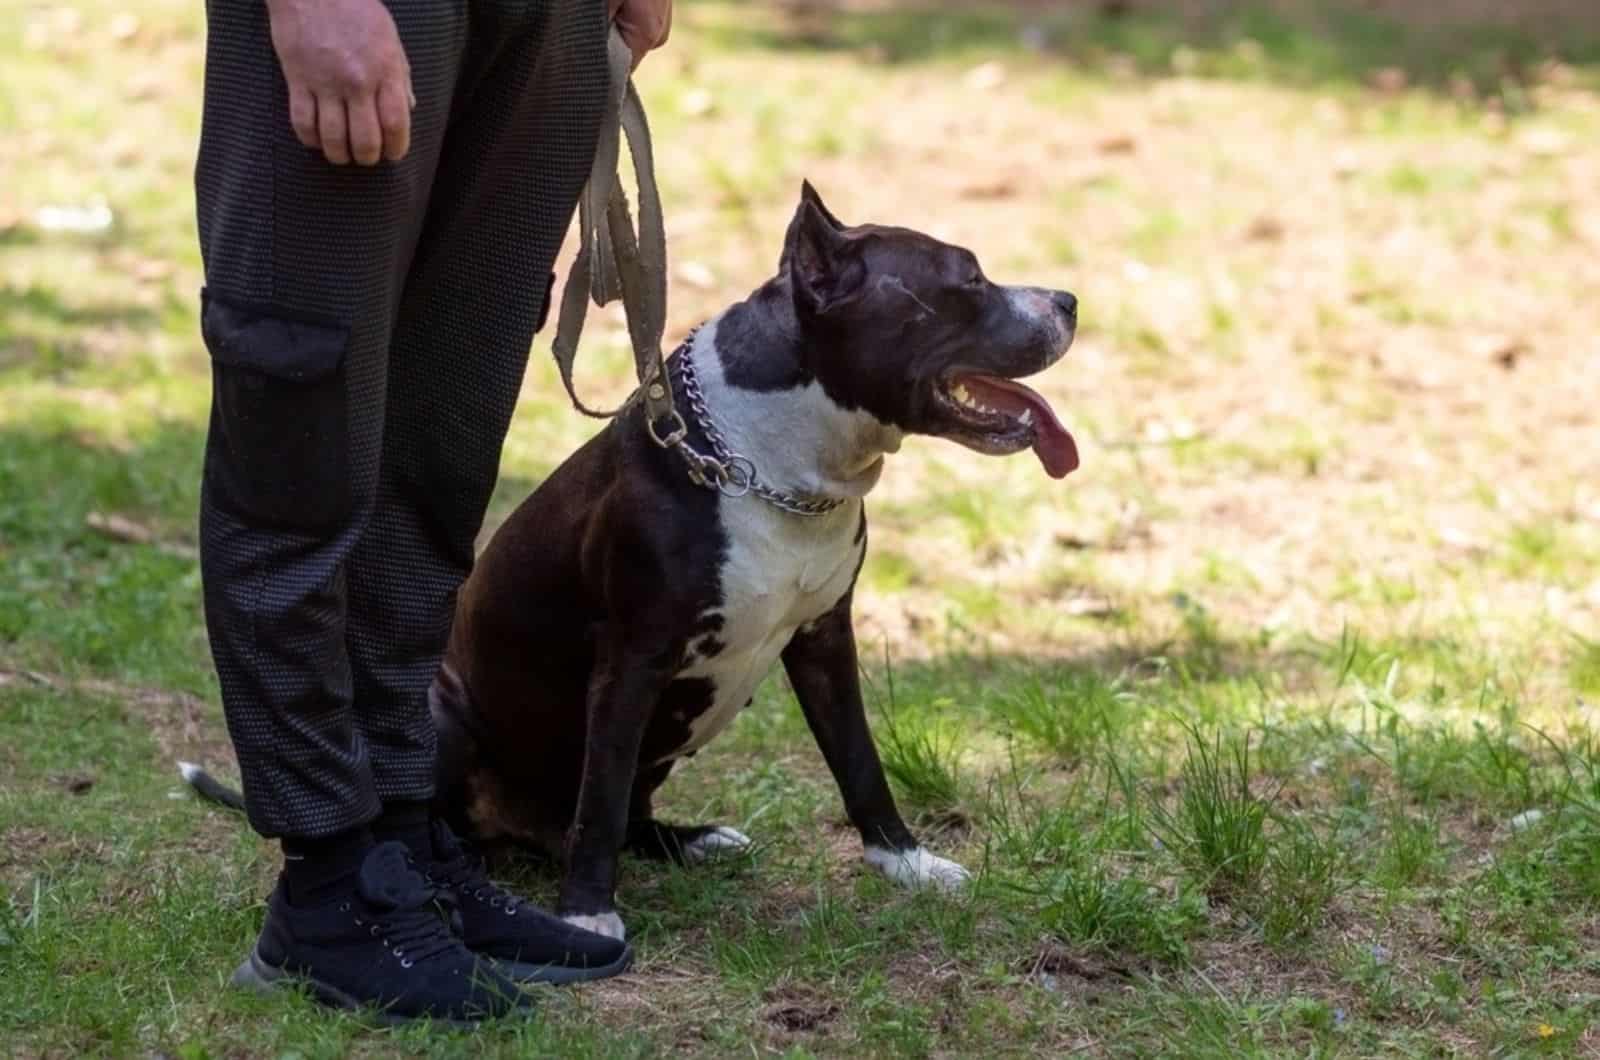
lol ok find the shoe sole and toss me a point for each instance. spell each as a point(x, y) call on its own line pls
point(259, 977)
point(563, 974)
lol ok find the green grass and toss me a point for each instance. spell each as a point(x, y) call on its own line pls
point(1217, 831)
point(1269, 733)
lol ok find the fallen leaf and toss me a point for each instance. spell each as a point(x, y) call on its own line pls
point(1508, 357)
point(1264, 229)
point(119, 527)
point(1118, 144)
point(1054, 959)
point(999, 188)
point(1503, 350)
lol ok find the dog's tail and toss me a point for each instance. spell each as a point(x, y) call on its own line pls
point(209, 787)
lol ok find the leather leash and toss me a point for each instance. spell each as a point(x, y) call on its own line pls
point(616, 262)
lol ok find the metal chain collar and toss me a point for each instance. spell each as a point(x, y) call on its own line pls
point(615, 262)
point(729, 473)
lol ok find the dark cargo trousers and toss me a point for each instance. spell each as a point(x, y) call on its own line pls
point(369, 328)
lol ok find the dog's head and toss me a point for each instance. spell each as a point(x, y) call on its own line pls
point(911, 330)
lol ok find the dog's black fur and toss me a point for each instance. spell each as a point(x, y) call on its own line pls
point(586, 641)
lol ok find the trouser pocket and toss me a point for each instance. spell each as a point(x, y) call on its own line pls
point(279, 449)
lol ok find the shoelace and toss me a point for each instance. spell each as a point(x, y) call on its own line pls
point(412, 933)
point(466, 876)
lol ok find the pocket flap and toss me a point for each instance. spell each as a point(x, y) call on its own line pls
point(271, 341)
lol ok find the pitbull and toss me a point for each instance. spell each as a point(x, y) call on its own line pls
point(628, 609)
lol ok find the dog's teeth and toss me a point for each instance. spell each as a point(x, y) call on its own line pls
point(1027, 417)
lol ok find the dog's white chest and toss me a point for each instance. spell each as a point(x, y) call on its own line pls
point(781, 572)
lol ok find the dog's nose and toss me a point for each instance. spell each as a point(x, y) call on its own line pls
point(1067, 303)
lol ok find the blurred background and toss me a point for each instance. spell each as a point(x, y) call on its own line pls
point(1337, 263)
point(1334, 385)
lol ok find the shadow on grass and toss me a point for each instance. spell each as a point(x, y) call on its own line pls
point(75, 599)
point(46, 335)
point(1292, 41)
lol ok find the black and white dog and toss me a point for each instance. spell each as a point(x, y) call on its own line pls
point(624, 614)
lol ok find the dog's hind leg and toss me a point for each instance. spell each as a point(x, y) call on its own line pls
point(684, 844)
point(449, 705)
point(659, 841)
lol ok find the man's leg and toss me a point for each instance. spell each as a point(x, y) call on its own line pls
point(304, 265)
point(514, 164)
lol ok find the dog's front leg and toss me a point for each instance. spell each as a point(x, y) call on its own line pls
point(623, 690)
point(821, 664)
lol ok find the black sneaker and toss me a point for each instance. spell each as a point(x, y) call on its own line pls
point(384, 945)
point(528, 944)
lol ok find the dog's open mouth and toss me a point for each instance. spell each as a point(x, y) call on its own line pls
point(999, 416)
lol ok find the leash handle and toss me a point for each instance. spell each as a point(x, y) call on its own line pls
point(614, 262)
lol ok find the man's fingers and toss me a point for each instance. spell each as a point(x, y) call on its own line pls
point(644, 28)
point(366, 136)
point(394, 117)
point(637, 40)
point(332, 130)
point(303, 115)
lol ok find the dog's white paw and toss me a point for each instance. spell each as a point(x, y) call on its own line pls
point(918, 868)
point(718, 841)
point(607, 924)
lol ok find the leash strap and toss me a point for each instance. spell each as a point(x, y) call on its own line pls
point(615, 262)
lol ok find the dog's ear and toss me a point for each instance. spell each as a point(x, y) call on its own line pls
point(809, 194)
point(822, 273)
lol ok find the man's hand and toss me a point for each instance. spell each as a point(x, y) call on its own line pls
point(349, 81)
point(644, 24)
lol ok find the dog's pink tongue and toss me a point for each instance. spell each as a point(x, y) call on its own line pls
point(1052, 443)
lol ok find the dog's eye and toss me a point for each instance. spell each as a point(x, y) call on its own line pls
point(975, 279)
